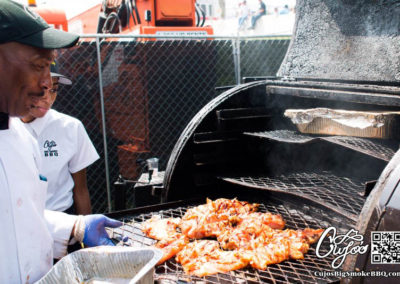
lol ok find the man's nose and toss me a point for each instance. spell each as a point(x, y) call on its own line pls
point(46, 82)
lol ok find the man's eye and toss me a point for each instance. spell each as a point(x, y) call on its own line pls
point(53, 91)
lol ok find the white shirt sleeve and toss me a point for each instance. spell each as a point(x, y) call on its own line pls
point(85, 154)
point(60, 226)
point(9, 270)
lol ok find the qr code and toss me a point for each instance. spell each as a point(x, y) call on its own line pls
point(385, 247)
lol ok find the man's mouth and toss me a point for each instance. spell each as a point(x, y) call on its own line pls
point(39, 108)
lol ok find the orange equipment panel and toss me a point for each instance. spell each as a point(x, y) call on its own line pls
point(177, 31)
point(175, 11)
point(53, 16)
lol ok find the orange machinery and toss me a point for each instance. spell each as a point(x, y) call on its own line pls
point(153, 17)
point(53, 16)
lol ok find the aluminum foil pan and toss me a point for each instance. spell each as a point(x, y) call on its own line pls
point(105, 264)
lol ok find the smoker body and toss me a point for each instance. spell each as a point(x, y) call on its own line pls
point(343, 55)
point(329, 180)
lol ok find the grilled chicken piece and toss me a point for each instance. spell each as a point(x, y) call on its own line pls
point(250, 226)
point(213, 218)
point(232, 206)
point(170, 247)
point(263, 254)
point(240, 237)
point(204, 257)
point(300, 240)
point(164, 230)
point(274, 221)
point(270, 248)
point(311, 235)
point(201, 226)
point(161, 229)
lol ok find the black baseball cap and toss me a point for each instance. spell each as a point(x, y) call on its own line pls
point(19, 23)
point(61, 78)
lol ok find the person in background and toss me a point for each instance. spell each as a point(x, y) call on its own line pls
point(31, 236)
point(66, 150)
point(244, 13)
point(262, 11)
point(285, 10)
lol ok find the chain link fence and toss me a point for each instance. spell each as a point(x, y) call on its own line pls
point(135, 95)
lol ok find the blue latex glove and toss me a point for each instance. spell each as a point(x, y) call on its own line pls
point(95, 233)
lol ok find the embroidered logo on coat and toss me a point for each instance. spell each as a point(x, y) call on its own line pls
point(48, 149)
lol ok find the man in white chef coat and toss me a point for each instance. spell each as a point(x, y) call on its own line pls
point(30, 235)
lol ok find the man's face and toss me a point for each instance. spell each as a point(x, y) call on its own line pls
point(42, 106)
point(24, 76)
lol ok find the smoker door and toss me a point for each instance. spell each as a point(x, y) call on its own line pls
point(381, 213)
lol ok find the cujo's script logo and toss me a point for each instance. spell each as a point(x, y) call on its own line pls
point(340, 246)
point(48, 148)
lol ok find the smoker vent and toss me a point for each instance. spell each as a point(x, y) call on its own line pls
point(325, 188)
point(378, 148)
point(299, 271)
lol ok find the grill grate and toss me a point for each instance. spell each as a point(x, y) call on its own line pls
point(378, 148)
point(324, 188)
point(299, 271)
point(370, 147)
point(286, 136)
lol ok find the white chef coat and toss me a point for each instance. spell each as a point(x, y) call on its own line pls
point(65, 148)
point(29, 238)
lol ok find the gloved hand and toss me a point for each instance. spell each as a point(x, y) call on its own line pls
point(94, 229)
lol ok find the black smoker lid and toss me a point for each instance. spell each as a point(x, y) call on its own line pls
point(345, 40)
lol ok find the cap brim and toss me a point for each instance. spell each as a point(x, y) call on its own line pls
point(50, 38)
point(61, 79)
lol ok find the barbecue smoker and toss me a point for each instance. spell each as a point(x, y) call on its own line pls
point(343, 55)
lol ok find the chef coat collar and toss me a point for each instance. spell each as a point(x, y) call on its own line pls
point(4, 118)
point(39, 124)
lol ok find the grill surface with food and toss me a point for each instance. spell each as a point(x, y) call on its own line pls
point(245, 237)
point(170, 271)
point(334, 167)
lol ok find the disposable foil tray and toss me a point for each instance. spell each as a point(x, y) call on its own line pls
point(371, 124)
point(105, 264)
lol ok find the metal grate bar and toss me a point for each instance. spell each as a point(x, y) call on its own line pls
point(243, 113)
point(324, 188)
point(299, 271)
point(374, 148)
point(378, 148)
point(286, 136)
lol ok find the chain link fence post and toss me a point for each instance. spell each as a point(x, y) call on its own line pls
point(236, 58)
point(103, 121)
